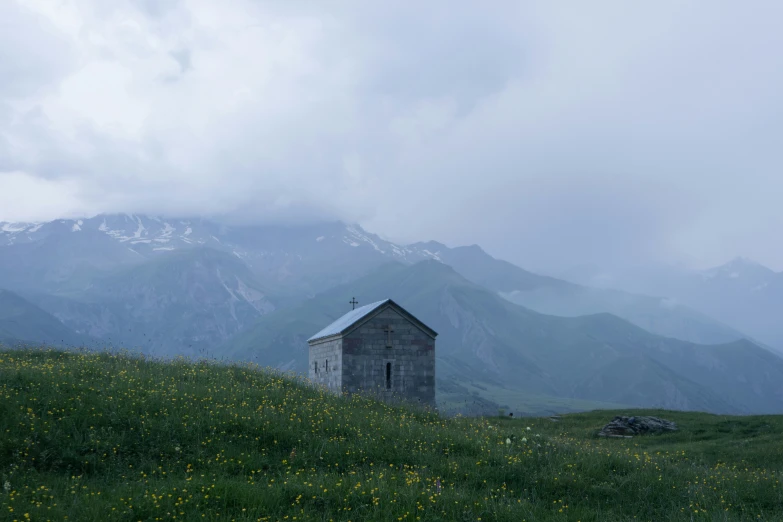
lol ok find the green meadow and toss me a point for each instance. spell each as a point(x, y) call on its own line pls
point(86, 436)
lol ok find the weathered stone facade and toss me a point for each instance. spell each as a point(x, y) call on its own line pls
point(386, 352)
point(326, 366)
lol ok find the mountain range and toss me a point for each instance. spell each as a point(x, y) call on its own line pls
point(741, 293)
point(295, 262)
point(509, 337)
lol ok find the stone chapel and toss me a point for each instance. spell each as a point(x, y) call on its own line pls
point(378, 348)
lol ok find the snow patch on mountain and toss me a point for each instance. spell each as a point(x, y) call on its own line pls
point(360, 236)
point(140, 230)
point(433, 255)
point(167, 231)
point(13, 228)
point(13, 233)
point(399, 251)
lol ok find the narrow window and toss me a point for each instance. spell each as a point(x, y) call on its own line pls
point(316, 366)
point(388, 376)
point(327, 366)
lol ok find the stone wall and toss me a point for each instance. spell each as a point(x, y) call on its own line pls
point(327, 356)
point(411, 360)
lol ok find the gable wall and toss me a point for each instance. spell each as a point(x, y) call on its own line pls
point(412, 357)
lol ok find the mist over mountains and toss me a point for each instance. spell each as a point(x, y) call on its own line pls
point(509, 337)
point(742, 292)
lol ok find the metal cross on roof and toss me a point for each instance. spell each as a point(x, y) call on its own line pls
point(353, 302)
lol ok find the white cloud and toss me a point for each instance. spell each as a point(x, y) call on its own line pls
point(27, 198)
point(546, 134)
point(97, 95)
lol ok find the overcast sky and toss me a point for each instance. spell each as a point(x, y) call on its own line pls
point(550, 133)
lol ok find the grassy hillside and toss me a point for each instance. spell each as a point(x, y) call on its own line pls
point(486, 342)
point(107, 437)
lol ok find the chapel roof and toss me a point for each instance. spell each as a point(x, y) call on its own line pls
point(347, 321)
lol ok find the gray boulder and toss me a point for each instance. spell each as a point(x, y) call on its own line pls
point(627, 427)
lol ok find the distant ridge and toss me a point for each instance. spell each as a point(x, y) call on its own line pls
point(22, 322)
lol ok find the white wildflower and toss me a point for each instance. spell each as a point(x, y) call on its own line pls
point(508, 441)
point(7, 486)
point(528, 428)
point(524, 439)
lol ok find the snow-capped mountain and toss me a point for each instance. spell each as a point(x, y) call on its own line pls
point(305, 258)
point(148, 235)
point(277, 252)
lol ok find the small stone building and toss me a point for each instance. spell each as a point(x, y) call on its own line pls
point(378, 348)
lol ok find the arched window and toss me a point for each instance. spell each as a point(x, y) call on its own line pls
point(327, 366)
point(388, 376)
point(316, 366)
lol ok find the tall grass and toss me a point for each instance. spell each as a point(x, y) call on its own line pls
point(118, 437)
